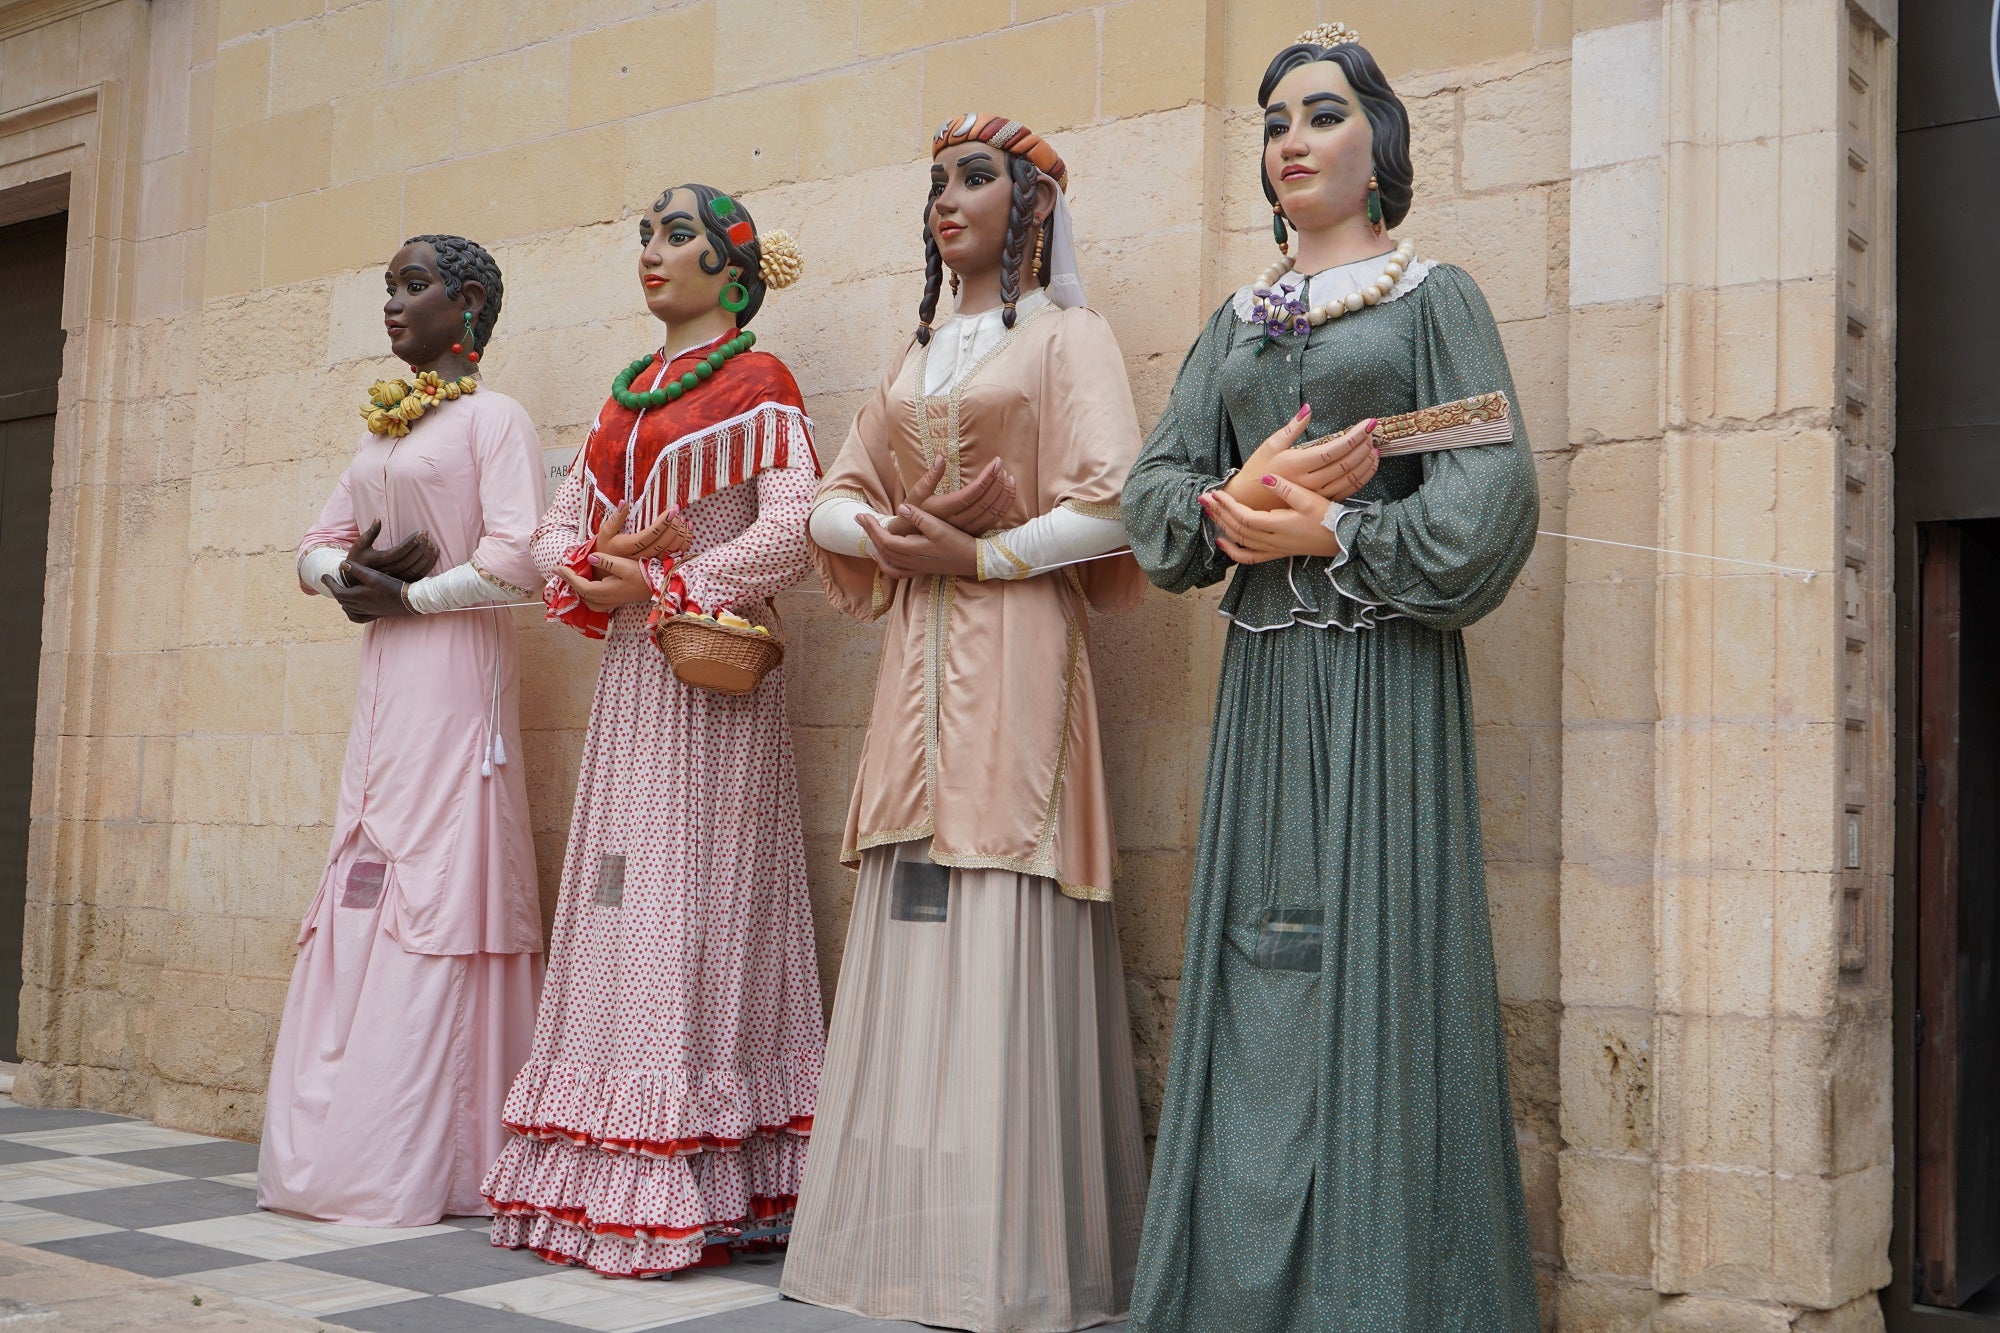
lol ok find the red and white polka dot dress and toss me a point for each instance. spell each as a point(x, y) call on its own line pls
point(677, 1052)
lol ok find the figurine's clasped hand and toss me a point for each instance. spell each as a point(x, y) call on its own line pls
point(367, 595)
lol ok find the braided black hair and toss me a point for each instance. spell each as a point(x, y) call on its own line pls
point(1388, 121)
point(1020, 221)
point(748, 258)
point(933, 270)
point(461, 261)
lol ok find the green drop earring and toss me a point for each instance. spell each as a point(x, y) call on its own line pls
point(1278, 233)
point(1375, 205)
point(467, 341)
point(734, 296)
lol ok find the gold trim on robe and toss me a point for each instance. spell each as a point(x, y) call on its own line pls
point(984, 735)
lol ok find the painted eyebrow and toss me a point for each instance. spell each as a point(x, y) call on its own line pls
point(682, 214)
point(414, 268)
point(1310, 98)
point(976, 157)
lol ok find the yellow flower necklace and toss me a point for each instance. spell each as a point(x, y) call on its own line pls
point(393, 406)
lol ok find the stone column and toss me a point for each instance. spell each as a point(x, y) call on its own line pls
point(1726, 1056)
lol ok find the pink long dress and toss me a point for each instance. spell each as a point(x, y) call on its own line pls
point(677, 1055)
point(413, 1000)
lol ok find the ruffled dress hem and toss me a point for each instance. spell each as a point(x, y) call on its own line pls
point(632, 1172)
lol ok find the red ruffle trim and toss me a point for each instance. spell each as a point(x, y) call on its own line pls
point(668, 1112)
point(626, 1214)
point(799, 1124)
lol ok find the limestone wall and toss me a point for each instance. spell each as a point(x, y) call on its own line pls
point(248, 164)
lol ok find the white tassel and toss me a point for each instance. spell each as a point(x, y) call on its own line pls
point(499, 749)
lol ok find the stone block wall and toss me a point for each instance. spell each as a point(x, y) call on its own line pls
point(1659, 237)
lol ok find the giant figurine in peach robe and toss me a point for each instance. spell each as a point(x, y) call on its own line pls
point(978, 1160)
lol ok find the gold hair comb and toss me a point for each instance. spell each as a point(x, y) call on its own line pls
point(1328, 34)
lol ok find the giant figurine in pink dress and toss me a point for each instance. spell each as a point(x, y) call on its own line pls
point(412, 1002)
point(663, 1115)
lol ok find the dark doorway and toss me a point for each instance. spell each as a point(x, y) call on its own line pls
point(31, 342)
point(1946, 1249)
point(1957, 890)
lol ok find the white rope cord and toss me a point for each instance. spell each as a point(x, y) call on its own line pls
point(1807, 574)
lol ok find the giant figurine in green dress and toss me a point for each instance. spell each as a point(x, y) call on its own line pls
point(1336, 1149)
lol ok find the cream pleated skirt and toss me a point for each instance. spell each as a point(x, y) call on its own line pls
point(977, 1160)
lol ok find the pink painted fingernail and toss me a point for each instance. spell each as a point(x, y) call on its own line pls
point(1304, 412)
point(1369, 425)
point(905, 511)
point(1268, 479)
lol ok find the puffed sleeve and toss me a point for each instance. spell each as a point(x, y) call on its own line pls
point(1088, 442)
point(1191, 450)
point(862, 472)
point(509, 454)
point(336, 531)
point(1446, 554)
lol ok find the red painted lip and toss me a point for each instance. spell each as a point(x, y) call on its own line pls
point(652, 280)
point(1296, 171)
point(945, 229)
point(395, 328)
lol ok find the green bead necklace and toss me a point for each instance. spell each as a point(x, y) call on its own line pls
point(621, 388)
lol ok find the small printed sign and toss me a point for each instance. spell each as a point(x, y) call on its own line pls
point(555, 466)
point(364, 885)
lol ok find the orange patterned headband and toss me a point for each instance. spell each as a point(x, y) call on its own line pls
point(1009, 136)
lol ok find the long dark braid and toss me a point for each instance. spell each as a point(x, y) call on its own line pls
point(933, 270)
point(1020, 221)
point(461, 261)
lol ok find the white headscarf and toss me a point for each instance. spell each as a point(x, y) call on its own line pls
point(1065, 286)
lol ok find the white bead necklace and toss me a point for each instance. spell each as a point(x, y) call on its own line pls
point(1281, 311)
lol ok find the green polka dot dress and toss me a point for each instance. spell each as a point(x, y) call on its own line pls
point(1336, 1149)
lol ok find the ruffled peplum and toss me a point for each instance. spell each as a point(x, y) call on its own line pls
point(633, 1172)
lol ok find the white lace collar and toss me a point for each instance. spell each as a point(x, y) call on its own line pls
point(1331, 284)
point(963, 341)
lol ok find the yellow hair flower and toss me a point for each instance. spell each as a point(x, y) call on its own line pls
point(782, 262)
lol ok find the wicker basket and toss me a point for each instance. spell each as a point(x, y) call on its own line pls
point(717, 657)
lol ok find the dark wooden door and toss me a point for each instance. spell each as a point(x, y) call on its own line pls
point(1957, 1230)
point(31, 340)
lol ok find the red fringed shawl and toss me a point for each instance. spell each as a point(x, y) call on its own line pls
point(746, 418)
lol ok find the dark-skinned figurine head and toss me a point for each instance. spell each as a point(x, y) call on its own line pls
point(434, 282)
point(1319, 83)
point(695, 242)
point(994, 183)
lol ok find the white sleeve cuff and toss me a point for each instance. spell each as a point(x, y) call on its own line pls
point(832, 526)
point(457, 589)
point(319, 563)
point(1048, 541)
point(1334, 512)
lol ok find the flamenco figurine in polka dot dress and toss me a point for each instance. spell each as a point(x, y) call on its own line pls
point(663, 1114)
point(1336, 1149)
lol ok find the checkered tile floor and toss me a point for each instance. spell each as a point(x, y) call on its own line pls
point(167, 1204)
